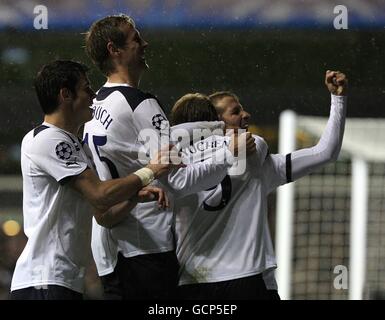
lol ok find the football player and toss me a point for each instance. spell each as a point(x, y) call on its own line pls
point(61, 191)
point(224, 245)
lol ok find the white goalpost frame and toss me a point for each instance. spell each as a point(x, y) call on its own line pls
point(285, 208)
point(358, 227)
point(285, 217)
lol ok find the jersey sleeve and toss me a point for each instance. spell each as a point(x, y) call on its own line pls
point(281, 169)
point(274, 171)
point(328, 148)
point(200, 176)
point(151, 124)
point(59, 156)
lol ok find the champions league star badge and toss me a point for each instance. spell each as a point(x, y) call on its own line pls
point(63, 151)
point(159, 122)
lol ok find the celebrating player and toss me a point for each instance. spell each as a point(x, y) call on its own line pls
point(61, 191)
point(224, 246)
point(136, 259)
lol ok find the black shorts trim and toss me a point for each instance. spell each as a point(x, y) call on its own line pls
point(47, 292)
point(247, 288)
point(143, 277)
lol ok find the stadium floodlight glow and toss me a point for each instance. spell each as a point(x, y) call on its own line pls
point(11, 228)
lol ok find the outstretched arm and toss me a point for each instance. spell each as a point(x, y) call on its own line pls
point(103, 195)
point(287, 168)
point(328, 148)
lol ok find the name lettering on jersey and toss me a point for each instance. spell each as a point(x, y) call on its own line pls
point(192, 146)
point(203, 146)
point(102, 116)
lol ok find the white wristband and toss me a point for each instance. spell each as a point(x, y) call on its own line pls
point(146, 175)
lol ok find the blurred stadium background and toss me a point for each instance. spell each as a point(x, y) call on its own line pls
point(274, 56)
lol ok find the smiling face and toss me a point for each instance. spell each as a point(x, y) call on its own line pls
point(232, 113)
point(113, 43)
point(83, 100)
point(132, 54)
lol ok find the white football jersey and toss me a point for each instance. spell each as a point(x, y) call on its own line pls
point(120, 112)
point(222, 233)
point(114, 136)
point(57, 219)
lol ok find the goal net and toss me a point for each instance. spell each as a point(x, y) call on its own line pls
point(330, 232)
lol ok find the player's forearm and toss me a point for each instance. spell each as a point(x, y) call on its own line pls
point(115, 214)
point(104, 194)
point(331, 140)
point(200, 175)
point(328, 148)
point(112, 192)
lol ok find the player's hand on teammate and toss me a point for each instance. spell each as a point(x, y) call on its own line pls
point(336, 82)
point(242, 143)
point(165, 160)
point(151, 193)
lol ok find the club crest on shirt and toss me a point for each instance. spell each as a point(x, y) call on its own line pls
point(63, 150)
point(159, 122)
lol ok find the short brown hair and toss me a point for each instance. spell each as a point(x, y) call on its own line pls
point(54, 76)
point(218, 96)
point(193, 107)
point(98, 36)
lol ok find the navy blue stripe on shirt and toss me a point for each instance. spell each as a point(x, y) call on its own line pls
point(133, 96)
point(67, 179)
point(288, 168)
point(39, 129)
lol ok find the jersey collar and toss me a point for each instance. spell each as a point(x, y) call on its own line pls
point(116, 84)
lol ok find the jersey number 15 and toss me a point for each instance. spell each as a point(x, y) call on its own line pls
point(98, 141)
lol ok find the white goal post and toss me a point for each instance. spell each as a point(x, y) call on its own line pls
point(343, 202)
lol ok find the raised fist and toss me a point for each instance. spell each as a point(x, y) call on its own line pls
point(336, 82)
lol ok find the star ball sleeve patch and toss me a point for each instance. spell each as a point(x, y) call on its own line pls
point(63, 150)
point(159, 122)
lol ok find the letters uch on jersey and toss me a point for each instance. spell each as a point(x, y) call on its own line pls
point(102, 115)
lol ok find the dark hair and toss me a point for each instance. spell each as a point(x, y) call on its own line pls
point(103, 31)
point(54, 76)
point(193, 107)
point(218, 96)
